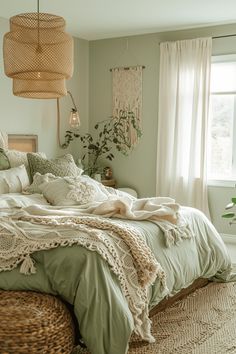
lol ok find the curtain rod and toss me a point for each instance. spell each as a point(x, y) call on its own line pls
point(216, 37)
point(226, 35)
point(127, 67)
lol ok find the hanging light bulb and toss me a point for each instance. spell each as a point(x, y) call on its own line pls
point(74, 119)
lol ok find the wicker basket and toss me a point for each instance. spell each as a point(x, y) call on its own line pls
point(32, 322)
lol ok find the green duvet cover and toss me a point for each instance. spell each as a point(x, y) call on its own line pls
point(83, 279)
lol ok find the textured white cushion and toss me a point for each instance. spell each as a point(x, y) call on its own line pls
point(101, 192)
point(72, 191)
point(39, 179)
point(13, 180)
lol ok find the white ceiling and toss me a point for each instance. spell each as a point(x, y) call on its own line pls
point(97, 19)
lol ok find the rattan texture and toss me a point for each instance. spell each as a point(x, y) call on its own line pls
point(37, 50)
point(34, 323)
point(202, 323)
point(39, 88)
point(30, 20)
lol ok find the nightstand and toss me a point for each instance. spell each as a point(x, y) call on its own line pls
point(109, 182)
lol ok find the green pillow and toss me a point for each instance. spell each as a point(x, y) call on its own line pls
point(4, 161)
point(61, 166)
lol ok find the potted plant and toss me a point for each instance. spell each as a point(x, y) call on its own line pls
point(112, 132)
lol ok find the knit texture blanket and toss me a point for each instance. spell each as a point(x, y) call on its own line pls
point(162, 211)
point(41, 227)
point(118, 243)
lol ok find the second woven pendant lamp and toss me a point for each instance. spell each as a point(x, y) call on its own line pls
point(38, 55)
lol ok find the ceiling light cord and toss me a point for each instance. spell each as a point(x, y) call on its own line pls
point(59, 125)
point(38, 47)
point(74, 109)
point(72, 99)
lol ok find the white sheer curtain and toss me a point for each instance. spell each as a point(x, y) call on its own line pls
point(184, 90)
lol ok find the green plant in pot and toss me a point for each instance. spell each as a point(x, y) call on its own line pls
point(108, 134)
point(230, 214)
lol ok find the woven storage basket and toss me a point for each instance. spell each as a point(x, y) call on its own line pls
point(32, 322)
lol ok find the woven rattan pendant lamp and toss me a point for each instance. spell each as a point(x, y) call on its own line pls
point(38, 55)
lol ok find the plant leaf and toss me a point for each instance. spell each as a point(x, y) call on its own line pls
point(229, 206)
point(233, 200)
point(228, 215)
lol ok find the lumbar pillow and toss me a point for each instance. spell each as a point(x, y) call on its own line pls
point(61, 166)
point(71, 191)
point(13, 180)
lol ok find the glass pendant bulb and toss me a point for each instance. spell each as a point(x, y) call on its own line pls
point(74, 120)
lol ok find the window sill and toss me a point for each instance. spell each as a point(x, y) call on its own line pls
point(222, 183)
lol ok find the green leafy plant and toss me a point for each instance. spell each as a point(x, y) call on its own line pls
point(230, 215)
point(108, 134)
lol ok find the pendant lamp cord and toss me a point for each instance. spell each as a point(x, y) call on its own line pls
point(62, 146)
point(38, 48)
point(72, 99)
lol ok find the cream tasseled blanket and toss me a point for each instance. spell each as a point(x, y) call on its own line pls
point(43, 227)
point(161, 210)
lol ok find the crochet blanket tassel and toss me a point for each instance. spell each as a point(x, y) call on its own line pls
point(27, 267)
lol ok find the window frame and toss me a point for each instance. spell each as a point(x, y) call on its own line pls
point(229, 182)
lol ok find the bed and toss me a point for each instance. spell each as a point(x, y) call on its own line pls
point(109, 259)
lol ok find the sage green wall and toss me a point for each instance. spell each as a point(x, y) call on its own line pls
point(139, 169)
point(31, 116)
point(91, 86)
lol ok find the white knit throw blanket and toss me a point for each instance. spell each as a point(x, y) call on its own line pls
point(118, 243)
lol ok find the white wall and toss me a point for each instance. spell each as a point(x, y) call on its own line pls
point(32, 116)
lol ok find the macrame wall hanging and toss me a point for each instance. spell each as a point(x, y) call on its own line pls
point(127, 99)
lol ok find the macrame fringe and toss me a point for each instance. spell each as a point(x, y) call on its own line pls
point(174, 235)
point(92, 234)
point(27, 266)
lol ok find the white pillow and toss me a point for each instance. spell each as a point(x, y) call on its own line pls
point(39, 179)
point(72, 191)
point(17, 158)
point(13, 180)
point(101, 190)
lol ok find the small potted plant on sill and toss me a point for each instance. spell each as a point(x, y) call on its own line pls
point(110, 133)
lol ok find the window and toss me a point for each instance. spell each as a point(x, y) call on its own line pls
point(222, 124)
